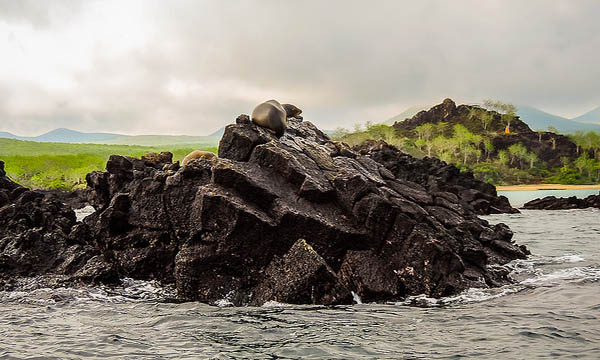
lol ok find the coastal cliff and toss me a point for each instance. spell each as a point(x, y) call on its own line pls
point(297, 219)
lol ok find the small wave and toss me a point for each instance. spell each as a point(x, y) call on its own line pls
point(530, 268)
point(575, 273)
point(274, 304)
point(37, 291)
point(468, 296)
point(570, 259)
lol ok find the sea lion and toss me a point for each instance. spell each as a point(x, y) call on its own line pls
point(291, 110)
point(271, 116)
point(198, 154)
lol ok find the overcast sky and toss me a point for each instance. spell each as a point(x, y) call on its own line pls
point(190, 67)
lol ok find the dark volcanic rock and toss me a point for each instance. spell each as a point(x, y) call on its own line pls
point(299, 219)
point(39, 236)
point(554, 203)
point(233, 228)
point(431, 181)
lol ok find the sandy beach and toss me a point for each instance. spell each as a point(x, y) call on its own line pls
point(530, 187)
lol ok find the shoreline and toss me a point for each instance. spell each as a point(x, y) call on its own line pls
point(533, 187)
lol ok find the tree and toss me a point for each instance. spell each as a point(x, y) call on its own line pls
point(532, 158)
point(484, 116)
point(503, 157)
point(540, 133)
point(339, 133)
point(442, 128)
point(517, 152)
point(425, 131)
point(382, 132)
point(581, 162)
point(579, 139)
point(488, 147)
point(420, 144)
point(507, 111)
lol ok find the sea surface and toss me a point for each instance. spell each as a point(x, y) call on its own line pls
point(519, 198)
point(552, 311)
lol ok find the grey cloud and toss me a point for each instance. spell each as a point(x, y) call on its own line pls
point(343, 62)
point(38, 13)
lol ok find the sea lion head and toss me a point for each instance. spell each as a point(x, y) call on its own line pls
point(291, 110)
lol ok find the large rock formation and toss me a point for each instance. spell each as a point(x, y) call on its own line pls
point(554, 203)
point(299, 219)
point(444, 181)
point(548, 147)
point(39, 236)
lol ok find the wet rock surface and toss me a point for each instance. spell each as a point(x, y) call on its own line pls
point(297, 219)
point(554, 203)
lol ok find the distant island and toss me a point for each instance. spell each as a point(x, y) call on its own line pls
point(491, 141)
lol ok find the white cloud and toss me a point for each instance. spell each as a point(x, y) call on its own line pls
point(190, 67)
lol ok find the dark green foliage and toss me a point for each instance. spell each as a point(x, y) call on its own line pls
point(473, 151)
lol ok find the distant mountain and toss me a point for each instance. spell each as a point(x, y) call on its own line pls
point(540, 120)
point(157, 140)
point(219, 133)
point(65, 136)
point(72, 136)
point(407, 114)
point(7, 135)
point(592, 117)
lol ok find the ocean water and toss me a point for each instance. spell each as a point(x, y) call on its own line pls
point(518, 198)
point(552, 311)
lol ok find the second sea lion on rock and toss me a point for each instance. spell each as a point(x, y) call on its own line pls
point(198, 154)
point(292, 110)
point(271, 116)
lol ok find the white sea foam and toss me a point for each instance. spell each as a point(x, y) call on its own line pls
point(575, 273)
point(37, 290)
point(570, 259)
point(84, 212)
point(226, 301)
point(356, 298)
point(272, 304)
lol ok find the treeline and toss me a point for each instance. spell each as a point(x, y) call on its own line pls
point(61, 166)
point(475, 152)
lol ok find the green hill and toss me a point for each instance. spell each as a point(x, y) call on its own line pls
point(63, 166)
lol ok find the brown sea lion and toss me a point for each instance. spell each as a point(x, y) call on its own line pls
point(271, 116)
point(198, 154)
point(291, 110)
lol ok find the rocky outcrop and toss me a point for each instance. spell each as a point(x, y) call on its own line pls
point(554, 203)
point(548, 147)
point(440, 183)
point(39, 236)
point(299, 219)
point(296, 219)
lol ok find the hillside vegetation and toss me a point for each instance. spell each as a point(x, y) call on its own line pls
point(63, 166)
point(476, 139)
